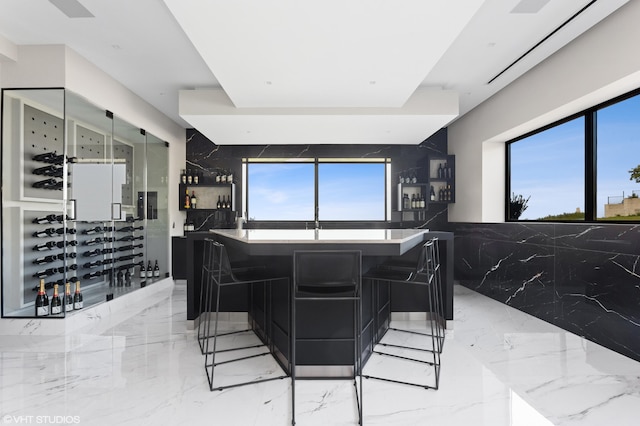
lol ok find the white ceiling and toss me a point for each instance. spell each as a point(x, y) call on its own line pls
point(291, 71)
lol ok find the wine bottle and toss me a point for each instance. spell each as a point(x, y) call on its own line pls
point(45, 184)
point(131, 247)
point(120, 278)
point(78, 302)
point(57, 159)
point(42, 301)
point(133, 219)
point(187, 201)
point(68, 299)
point(45, 259)
point(432, 194)
point(44, 157)
point(92, 275)
point(189, 177)
point(406, 202)
point(440, 171)
point(46, 273)
point(52, 171)
point(50, 218)
point(194, 200)
point(413, 201)
point(56, 303)
point(183, 176)
point(131, 238)
point(196, 177)
point(156, 270)
point(108, 250)
point(62, 256)
point(143, 272)
point(219, 204)
point(93, 264)
point(49, 232)
point(94, 230)
point(45, 246)
point(93, 241)
point(130, 228)
point(91, 253)
point(149, 270)
point(127, 278)
point(423, 202)
point(440, 195)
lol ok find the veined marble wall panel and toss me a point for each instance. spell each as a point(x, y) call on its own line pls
point(584, 278)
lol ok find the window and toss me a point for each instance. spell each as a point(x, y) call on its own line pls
point(322, 189)
point(618, 152)
point(547, 171)
point(280, 191)
point(351, 191)
point(586, 167)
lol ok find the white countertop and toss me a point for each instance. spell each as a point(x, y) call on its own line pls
point(284, 236)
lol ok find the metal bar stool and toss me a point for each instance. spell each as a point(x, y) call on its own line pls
point(325, 276)
point(424, 273)
point(208, 252)
point(223, 276)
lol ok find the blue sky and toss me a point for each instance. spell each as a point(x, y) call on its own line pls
point(549, 166)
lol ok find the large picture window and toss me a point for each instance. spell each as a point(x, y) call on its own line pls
point(316, 189)
point(586, 167)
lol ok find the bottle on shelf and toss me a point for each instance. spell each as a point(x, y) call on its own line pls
point(143, 271)
point(46, 184)
point(130, 238)
point(183, 176)
point(196, 177)
point(93, 241)
point(120, 278)
point(49, 245)
point(149, 270)
point(94, 230)
point(92, 275)
point(56, 303)
point(50, 218)
point(45, 259)
point(406, 202)
point(51, 171)
point(93, 264)
point(42, 301)
point(127, 278)
point(130, 228)
point(91, 253)
point(187, 200)
point(194, 200)
point(413, 201)
point(432, 194)
point(156, 270)
point(440, 194)
point(68, 299)
point(44, 157)
point(78, 302)
point(440, 171)
point(189, 177)
point(219, 204)
point(46, 273)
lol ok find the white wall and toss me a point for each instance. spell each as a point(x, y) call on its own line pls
point(599, 65)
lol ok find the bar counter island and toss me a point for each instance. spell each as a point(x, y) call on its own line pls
point(274, 249)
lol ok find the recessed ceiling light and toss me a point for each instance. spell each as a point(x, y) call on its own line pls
point(372, 82)
point(116, 46)
point(268, 82)
point(492, 44)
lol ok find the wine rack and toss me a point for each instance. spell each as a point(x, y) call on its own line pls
point(442, 173)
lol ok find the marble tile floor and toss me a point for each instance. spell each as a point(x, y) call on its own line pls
point(499, 367)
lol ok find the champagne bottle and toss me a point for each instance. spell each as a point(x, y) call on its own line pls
point(194, 200)
point(143, 272)
point(68, 299)
point(78, 302)
point(149, 270)
point(156, 270)
point(56, 303)
point(42, 301)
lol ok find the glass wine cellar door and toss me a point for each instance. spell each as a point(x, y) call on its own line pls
point(72, 178)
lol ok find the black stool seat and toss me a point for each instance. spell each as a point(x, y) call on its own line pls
point(425, 272)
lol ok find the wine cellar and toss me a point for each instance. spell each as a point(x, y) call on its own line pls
point(89, 193)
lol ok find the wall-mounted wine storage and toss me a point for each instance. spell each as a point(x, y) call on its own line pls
point(84, 200)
